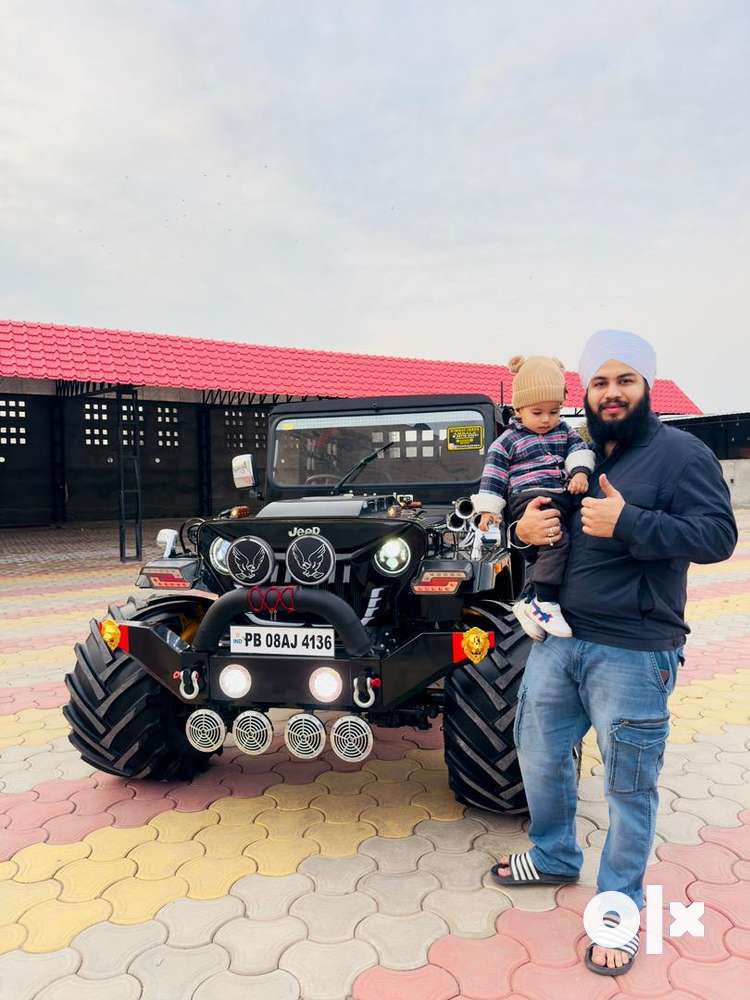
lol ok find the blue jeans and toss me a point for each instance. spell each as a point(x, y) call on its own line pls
point(569, 685)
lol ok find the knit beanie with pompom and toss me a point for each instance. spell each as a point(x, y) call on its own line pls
point(537, 380)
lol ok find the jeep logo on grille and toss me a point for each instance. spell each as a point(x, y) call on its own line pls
point(310, 559)
point(295, 532)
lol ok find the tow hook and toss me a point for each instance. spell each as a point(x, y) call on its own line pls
point(370, 684)
point(191, 678)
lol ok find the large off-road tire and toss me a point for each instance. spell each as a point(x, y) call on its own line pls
point(122, 720)
point(480, 708)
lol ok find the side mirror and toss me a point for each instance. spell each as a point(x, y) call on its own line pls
point(168, 538)
point(243, 472)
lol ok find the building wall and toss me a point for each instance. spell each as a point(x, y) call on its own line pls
point(737, 475)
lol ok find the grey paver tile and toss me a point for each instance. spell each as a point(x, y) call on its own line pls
point(680, 828)
point(331, 919)
point(193, 922)
point(468, 914)
point(399, 895)
point(276, 985)
point(687, 786)
point(402, 942)
point(723, 772)
point(108, 949)
point(22, 975)
point(713, 810)
point(77, 988)
point(526, 897)
point(174, 973)
point(452, 835)
point(739, 793)
point(496, 823)
point(394, 856)
point(267, 897)
point(458, 871)
point(255, 947)
point(335, 876)
point(327, 971)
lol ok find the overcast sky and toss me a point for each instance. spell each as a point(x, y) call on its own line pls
point(433, 179)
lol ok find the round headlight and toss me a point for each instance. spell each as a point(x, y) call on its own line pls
point(235, 680)
point(325, 684)
point(393, 557)
point(217, 554)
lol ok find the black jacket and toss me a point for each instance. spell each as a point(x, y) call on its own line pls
point(630, 590)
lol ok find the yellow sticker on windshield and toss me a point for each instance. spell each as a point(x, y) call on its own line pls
point(467, 437)
point(287, 425)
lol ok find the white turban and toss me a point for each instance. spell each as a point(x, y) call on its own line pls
point(617, 345)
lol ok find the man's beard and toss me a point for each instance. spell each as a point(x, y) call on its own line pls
point(624, 431)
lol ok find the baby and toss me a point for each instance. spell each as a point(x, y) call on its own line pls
point(538, 455)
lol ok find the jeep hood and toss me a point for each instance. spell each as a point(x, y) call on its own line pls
point(318, 507)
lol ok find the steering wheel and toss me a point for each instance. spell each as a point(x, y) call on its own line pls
point(322, 479)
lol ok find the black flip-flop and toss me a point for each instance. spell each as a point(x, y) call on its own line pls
point(524, 872)
point(630, 947)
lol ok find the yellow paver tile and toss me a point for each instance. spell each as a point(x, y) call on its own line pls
point(293, 796)
point(430, 760)
point(87, 879)
point(343, 808)
point(237, 811)
point(432, 780)
point(686, 710)
point(156, 860)
point(16, 899)
point(288, 824)
point(228, 841)
point(54, 924)
point(440, 805)
point(391, 793)
point(395, 821)
point(212, 878)
point(40, 861)
point(735, 716)
point(174, 827)
point(136, 900)
point(344, 782)
point(12, 936)
point(391, 770)
point(8, 869)
point(110, 843)
point(340, 840)
point(281, 856)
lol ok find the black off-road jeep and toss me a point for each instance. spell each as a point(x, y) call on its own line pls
point(361, 585)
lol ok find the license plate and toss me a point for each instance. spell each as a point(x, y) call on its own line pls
point(280, 640)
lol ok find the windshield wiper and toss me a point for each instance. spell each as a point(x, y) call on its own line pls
point(355, 469)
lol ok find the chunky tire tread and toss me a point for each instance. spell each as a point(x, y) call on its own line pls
point(122, 720)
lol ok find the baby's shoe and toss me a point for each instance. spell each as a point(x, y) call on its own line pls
point(528, 624)
point(548, 616)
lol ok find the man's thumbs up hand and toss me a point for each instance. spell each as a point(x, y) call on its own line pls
point(599, 517)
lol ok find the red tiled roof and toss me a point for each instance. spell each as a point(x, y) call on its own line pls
point(78, 354)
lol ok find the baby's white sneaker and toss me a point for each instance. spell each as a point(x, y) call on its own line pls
point(548, 616)
point(530, 627)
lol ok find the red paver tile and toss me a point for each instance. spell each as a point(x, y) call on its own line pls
point(13, 840)
point(385, 735)
point(392, 751)
point(674, 878)
point(134, 813)
point(247, 785)
point(13, 799)
point(741, 870)
point(711, 947)
point(431, 739)
point(259, 765)
point(301, 772)
point(427, 983)
point(574, 982)
point(72, 828)
point(708, 862)
point(713, 980)
point(32, 815)
point(737, 942)
point(4, 821)
point(148, 791)
point(731, 900)
point(199, 793)
point(482, 968)
point(60, 789)
point(736, 838)
point(336, 764)
point(574, 897)
point(549, 936)
point(92, 801)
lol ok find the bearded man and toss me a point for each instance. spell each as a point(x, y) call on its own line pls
point(657, 502)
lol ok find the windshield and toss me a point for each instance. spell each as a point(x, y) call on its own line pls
point(441, 446)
